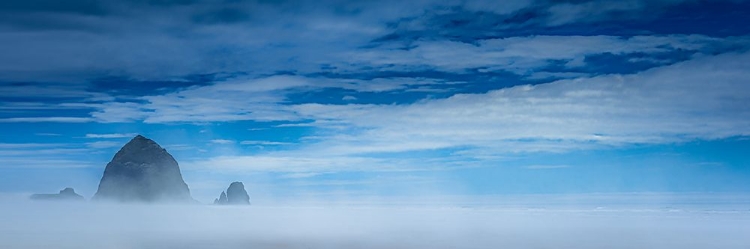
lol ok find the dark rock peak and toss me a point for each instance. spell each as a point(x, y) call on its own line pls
point(67, 194)
point(141, 149)
point(143, 171)
point(222, 199)
point(235, 195)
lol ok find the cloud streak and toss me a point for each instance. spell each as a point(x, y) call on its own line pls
point(111, 135)
point(691, 100)
point(522, 55)
point(222, 141)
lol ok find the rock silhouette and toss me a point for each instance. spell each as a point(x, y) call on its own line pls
point(67, 194)
point(143, 171)
point(235, 195)
point(222, 199)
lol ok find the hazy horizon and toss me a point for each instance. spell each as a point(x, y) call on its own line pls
point(76, 225)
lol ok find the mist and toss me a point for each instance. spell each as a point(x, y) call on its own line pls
point(27, 224)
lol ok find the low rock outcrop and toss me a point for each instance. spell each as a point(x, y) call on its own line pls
point(67, 194)
point(235, 195)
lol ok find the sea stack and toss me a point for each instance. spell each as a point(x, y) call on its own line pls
point(67, 194)
point(222, 200)
point(143, 171)
point(235, 195)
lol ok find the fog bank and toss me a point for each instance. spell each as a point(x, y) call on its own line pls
point(95, 225)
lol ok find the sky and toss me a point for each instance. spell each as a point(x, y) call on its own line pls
point(381, 99)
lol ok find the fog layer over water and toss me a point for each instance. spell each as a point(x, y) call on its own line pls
point(25, 224)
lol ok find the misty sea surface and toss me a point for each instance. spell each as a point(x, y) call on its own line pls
point(537, 221)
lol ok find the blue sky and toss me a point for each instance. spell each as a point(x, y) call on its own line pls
point(342, 99)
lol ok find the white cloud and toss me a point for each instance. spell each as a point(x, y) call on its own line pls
point(25, 106)
point(112, 112)
point(103, 144)
point(265, 99)
point(691, 100)
point(561, 75)
point(523, 54)
point(47, 119)
point(382, 84)
point(546, 166)
point(304, 162)
point(30, 145)
point(176, 147)
point(222, 141)
point(43, 155)
point(48, 134)
point(29, 162)
point(226, 101)
point(704, 98)
point(262, 99)
point(279, 163)
point(111, 135)
point(701, 99)
point(300, 175)
point(47, 91)
point(255, 142)
point(310, 124)
point(564, 13)
point(43, 152)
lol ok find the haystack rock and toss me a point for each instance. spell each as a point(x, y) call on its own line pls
point(143, 171)
point(235, 195)
point(67, 194)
